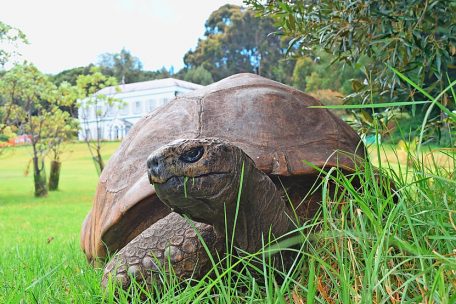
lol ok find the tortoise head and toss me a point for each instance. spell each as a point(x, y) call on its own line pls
point(197, 177)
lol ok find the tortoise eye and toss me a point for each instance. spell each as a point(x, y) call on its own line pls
point(192, 155)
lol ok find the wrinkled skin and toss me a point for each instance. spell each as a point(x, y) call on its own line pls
point(211, 170)
point(209, 183)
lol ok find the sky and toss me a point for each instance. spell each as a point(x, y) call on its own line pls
point(65, 34)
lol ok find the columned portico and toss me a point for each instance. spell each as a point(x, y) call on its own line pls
point(117, 128)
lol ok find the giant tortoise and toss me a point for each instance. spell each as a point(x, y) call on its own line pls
point(199, 141)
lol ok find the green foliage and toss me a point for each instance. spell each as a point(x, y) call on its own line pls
point(71, 75)
point(61, 127)
point(123, 66)
point(416, 37)
point(92, 83)
point(127, 68)
point(27, 95)
point(9, 38)
point(303, 69)
point(158, 74)
point(236, 41)
point(320, 72)
point(199, 75)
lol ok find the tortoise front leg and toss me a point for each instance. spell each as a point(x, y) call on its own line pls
point(170, 241)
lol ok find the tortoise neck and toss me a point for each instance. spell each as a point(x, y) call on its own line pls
point(262, 213)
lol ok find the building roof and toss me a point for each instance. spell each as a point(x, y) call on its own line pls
point(149, 85)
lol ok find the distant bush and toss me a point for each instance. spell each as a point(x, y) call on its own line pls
point(330, 97)
point(4, 138)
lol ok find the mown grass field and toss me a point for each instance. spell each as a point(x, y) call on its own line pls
point(40, 259)
point(371, 248)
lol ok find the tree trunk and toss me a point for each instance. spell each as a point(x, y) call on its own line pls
point(54, 175)
point(98, 161)
point(39, 177)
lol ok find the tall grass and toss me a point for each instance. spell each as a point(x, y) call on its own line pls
point(374, 244)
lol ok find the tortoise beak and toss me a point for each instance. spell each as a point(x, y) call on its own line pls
point(156, 169)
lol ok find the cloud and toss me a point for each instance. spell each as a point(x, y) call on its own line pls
point(67, 34)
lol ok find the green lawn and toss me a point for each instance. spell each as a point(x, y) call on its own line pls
point(40, 257)
point(370, 248)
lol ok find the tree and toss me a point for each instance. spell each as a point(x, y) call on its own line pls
point(8, 122)
point(127, 68)
point(416, 37)
point(71, 75)
point(199, 75)
point(94, 106)
point(9, 38)
point(8, 108)
point(32, 98)
point(123, 66)
point(236, 41)
point(60, 127)
point(303, 68)
point(320, 72)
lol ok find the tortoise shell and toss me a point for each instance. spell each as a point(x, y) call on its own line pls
point(270, 121)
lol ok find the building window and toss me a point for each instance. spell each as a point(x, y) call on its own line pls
point(165, 100)
point(99, 111)
point(89, 113)
point(87, 134)
point(124, 109)
point(110, 111)
point(138, 107)
point(116, 133)
point(152, 105)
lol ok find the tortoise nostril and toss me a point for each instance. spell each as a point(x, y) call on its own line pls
point(153, 165)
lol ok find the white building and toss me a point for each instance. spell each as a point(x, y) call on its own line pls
point(140, 98)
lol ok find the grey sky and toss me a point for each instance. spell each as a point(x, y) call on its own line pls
point(65, 34)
